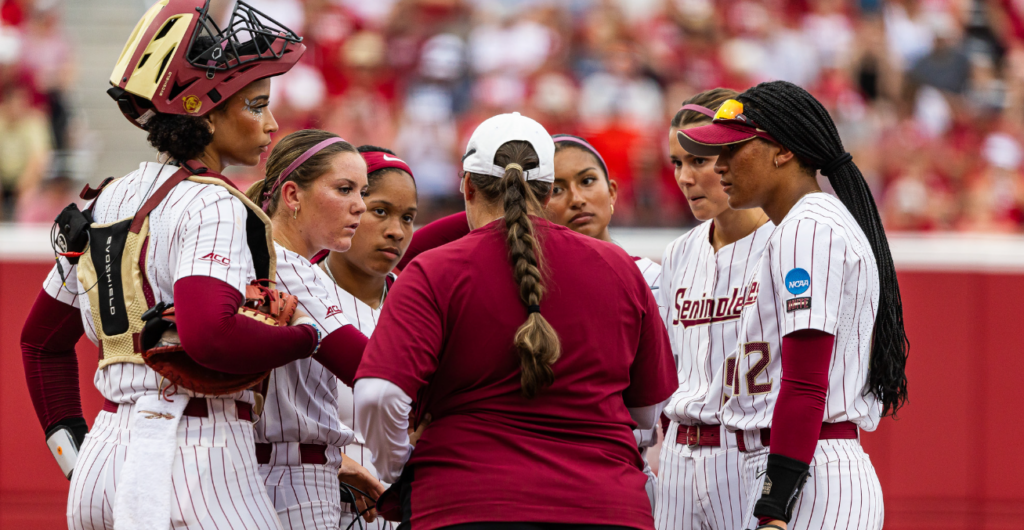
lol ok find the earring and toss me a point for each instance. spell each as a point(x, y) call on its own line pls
point(295, 213)
point(776, 163)
point(613, 209)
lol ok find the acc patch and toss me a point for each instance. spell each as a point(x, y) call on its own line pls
point(797, 281)
point(192, 104)
point(796, 304)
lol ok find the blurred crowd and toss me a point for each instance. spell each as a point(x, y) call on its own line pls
point(928, 94)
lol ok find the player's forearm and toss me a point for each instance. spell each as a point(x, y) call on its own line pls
point(800, 407)
point(382, 418)
point(796, 421)
point(341, 351)
point(48, 354)
point(217, 337)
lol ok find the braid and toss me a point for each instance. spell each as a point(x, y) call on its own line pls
point(536, 341)
point(798, 121)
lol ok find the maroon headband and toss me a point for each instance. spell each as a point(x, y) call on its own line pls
point(376, 160)
point(295, 164)
point(697, 108)
point(585, 144)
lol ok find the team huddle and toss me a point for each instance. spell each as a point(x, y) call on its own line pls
point(292, 356)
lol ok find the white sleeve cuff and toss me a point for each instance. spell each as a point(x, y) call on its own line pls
point(382, 419)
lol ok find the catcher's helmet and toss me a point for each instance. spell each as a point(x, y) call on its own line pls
point(178, 61)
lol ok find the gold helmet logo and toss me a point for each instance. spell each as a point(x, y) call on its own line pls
point(192, 104)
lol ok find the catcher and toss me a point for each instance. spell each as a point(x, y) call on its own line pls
point(167, 271)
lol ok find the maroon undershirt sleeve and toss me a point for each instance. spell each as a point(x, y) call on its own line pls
point(796, 422)
point(217, 337)
point(341, 351)
point(48, 354)
point(440, 232)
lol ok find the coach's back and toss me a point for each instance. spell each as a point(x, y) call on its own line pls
point(490, 454)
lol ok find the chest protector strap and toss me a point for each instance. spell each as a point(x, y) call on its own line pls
point(113, 267)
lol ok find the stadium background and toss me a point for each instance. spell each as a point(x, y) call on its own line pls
point(928, 94)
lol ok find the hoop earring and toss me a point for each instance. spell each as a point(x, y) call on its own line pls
point(295, 213)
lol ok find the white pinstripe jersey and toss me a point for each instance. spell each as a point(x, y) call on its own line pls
point(302, 396)
point(707, 291)
point(652, 275)
point(818, 272)
point(197, 230)
point(365, 318)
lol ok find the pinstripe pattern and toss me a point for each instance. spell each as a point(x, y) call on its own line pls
point(194, 220)
point(820, 236)
point(701, 488)
point(842, 492)
point(365, 318)
point(302, 407)
point(214, 477)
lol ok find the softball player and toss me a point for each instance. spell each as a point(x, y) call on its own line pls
point(583, 199)
point(160, 457)
point(705, 278)
point(362, 275)
point(312, 192)
point(822, 352)
point(533, 395)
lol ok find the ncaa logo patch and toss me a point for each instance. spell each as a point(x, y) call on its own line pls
point(797, 281)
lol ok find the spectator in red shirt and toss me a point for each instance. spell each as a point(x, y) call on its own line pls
point(532, 394)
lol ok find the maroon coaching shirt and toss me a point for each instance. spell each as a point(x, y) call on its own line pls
point(566, 456)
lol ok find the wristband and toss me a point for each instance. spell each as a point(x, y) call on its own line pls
point(307, 321)
point(784, 478)
point(64, 439)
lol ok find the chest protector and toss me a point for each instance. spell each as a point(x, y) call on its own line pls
point(113, 270)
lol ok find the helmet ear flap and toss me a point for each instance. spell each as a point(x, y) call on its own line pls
point(129, 105)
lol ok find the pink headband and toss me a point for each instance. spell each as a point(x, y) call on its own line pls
point(586, 145)
point(298, 162)
point(697, 108)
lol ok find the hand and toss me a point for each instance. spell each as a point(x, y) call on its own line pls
point(414, 434)
point(299, 313)
point(358, 476)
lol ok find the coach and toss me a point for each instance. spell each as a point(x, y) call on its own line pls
point(534, 350)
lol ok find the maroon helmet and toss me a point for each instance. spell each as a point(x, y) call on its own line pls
point(178, 61)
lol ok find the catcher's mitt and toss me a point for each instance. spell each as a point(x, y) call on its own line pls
point(163, 352)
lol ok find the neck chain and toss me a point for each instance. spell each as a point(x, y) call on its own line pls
point(327, 269)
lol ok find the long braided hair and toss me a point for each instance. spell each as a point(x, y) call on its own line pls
point(798, 121)
point(536, 341)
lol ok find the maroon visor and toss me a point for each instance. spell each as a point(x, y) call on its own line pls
point(708, 140)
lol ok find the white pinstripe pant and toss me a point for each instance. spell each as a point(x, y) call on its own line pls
point(214, 481)
point(700, 488)
point(842, 492)
point(306, 496)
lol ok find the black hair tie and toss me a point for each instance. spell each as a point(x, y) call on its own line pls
point(530, 309)
point(836, 163)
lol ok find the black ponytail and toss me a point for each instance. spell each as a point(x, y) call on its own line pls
point(800, 123)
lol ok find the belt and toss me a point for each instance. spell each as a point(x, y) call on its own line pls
point(308, 453)
point(846, 430)
point(196, 407)
point(699, 435)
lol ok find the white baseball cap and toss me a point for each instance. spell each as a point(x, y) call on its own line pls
point(498, 130)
